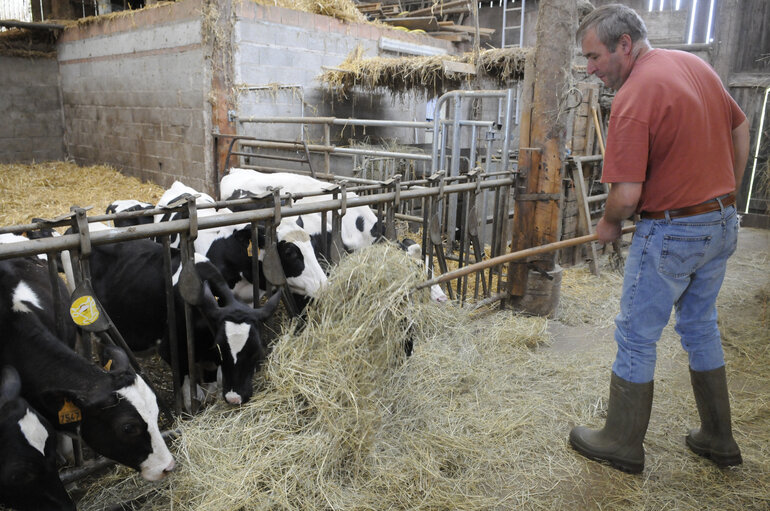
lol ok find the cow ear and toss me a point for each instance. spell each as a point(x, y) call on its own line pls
point(66, 404)
point(10, 385)
point(267, 310)
point(243, 236)
point(208, 302)
point(215, 282)
point(115, 360)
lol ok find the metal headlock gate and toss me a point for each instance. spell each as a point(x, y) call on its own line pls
point(388, 198)
point(455, 226)
point(476, 205)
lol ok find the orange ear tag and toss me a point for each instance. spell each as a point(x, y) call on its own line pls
point(249, 250)
point(69, 413)
point(108, 365)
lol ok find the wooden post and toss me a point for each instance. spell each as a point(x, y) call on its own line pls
point(219, 27)
point(537, 217)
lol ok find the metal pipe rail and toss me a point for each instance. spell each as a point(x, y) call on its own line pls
point(332, 150)
point(359, 122)
point(72, 241)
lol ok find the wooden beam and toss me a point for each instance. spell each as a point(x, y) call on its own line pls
point(538, 222)
point(465, 29)
point(31, 25)
point(451, 66)
point(427, 23)
point(751, 80)
point(440, 9)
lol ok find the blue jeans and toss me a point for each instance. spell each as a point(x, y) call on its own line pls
point(674, 263)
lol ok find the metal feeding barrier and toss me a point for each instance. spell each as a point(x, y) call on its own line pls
point(384, 197)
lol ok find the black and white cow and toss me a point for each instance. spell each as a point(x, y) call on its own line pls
point(360, 226)
point(228, 249)
point(29, 479)
point(413, 249)
point(129, 205)
point(129, 281)
point(177, 191)
point(116, 411)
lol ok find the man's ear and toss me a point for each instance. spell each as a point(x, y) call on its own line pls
point(626, 44)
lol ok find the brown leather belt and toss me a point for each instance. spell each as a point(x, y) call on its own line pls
point(703, 207)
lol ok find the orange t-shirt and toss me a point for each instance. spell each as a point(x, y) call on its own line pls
point(671, 128)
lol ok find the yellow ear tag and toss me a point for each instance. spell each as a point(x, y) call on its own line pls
point(249, 250)
point(108, 365)
point(69, 413)
point(84, 310)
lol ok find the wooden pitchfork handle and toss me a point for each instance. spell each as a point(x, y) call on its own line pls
point(513, 256)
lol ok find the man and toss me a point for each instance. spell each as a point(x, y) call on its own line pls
point(676, 149)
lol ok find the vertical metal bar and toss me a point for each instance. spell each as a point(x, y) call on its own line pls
point(505, 18)
point(464, 257)
point(505, 160)
point(255, 264)
point(58, 302)
point(487, 167)
point(451, 225)
point(327, 142)
point(173, 335)
point(192, 372)
point(472, 155)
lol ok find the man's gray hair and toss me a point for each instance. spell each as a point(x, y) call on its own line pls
point(611, 21)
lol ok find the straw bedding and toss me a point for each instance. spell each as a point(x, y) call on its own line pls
point(476, 419)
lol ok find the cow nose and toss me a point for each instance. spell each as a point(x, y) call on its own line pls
point(170, 468)
point(233, 398)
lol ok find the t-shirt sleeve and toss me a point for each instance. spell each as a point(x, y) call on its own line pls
point(625, 160)
point(736, 112)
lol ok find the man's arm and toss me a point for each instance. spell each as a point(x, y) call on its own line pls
point(741, 152)
point(621, 204)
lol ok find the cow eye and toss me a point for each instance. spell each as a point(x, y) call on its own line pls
point(131, 429)
point(22, 477)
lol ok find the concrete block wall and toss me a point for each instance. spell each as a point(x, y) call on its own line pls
point(135, 94)
point(33, 128)
point(274, 47)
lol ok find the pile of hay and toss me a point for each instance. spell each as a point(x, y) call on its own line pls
point(590, 300)
point(344, 419)
point(47, 190)
point(421, 74)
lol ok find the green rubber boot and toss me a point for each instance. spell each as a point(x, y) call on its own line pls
point(620, 441)
point(714, 440)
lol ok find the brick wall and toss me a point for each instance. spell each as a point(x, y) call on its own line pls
point(135, 93)
point(33, 128)
point(277, 46)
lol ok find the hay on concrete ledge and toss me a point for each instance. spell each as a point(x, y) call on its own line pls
point(341, 9)
point(28, 43)
point(422, 74)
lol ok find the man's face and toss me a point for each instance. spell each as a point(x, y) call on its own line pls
point(607, 66)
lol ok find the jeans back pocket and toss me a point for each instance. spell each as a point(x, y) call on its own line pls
point(680, 256)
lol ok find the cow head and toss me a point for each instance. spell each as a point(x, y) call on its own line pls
point(29, 479)
point(304, 274)
point(229, 252)
point(130, 205)
point(361, 228)
point(237, 339)
point(119, 418)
